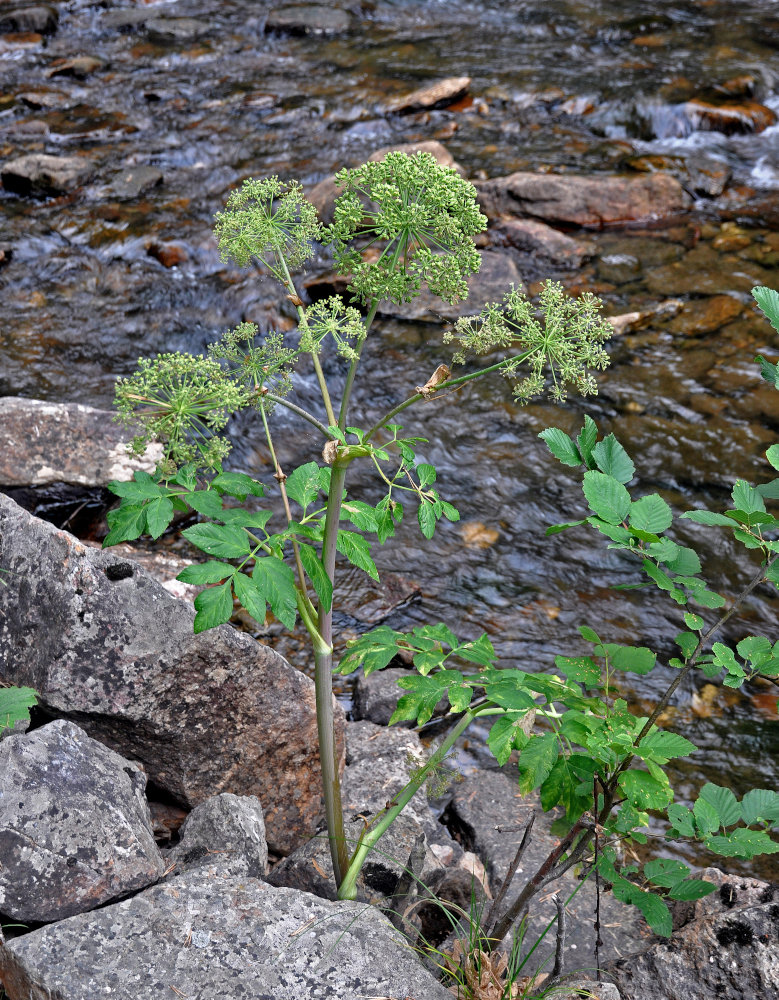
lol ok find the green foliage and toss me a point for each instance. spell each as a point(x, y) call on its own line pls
point(15, 705)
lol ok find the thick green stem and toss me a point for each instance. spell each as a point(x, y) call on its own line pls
point(348, 887)
point(323, 680)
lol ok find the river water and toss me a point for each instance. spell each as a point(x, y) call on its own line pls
point(210, 94)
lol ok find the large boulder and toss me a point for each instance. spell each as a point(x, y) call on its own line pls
point(593, 202)
point(43, 443)
point(206, 934)
point(75, 830)
point(108, 647)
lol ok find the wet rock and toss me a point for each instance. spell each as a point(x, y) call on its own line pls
point(703, 316)
point(488, 816)
point(42, 443)
point(74, 825)
point(226, 828)
point(435, 95)
point(540, 240)
point(41, 175)
point(308, 19)
point(41, 19)
point(732, 119)
point(134, 182)
point(497, 274)
point(176, 29)
point(104, 643)
point(703, 271)
point(168, 254)
point(730, 955)
point(80, 67)
point(376, 696)
point(209, 934)
point(323, 194)
point(582, 201)
point(707, 176)
point(618, 268)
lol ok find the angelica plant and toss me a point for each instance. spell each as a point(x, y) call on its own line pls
point(401, 224)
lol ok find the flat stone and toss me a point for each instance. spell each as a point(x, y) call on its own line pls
point(75, 830)
point(43, 443)
point(593, 202)
point(134, 182)
point(733, 119)
point(436, 95)
point(41, 175)
point(228, 828)
point(40, 18)
point(105, 644)
point(540, 240)
point(308, 19)
point(176, 29)
point(206, 935)
point(497, 274)
point(79, 67)
point(702, 316)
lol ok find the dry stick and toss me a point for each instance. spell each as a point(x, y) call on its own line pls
point(492, 915)
point(407, 884)
point(598, 941)
point(559, 952)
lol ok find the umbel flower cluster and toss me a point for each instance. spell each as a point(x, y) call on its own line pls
point(565, 336)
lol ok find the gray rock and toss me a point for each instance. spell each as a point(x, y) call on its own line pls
point(376, 696)
point(488, 800)
point(43, 443)
point(230, 827)
point(586, 989)
point(106, 645)
point(308, 19)
point(206, 935)
point(531, 236)
point(176, 29)
point(497, 274)
point(729, 955)
point(134, 182)
point(707, 176)
point(41, 19)
point(41, 175)
point(583, 201)
point(75, 829)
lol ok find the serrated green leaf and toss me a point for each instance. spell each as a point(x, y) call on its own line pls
point(768, 300)
point(424, 695)
point(769, 491)
point(275, 581)
point(743, 843)
point(708, 517)
point(555, 529)
point(315, 571)
point(426, 518)
point(214, 607)
point(450, 513)
point(613, 531)
point(186, 476)
point(663, 581)
point(682, 819)
point(207, 502)
point(632, 659)
point(655, 912)
point(585, 442)
point(666, 872)
point(480, 651)
point(503, 734)
point(612, 459)
point(207, 572)
point(358, 551)
point(588, 634)
point(536, 760)
point(707, 599)
point(427, 474)
point(159, 514)
point(250, 597)
point(691, 890)
point(362, 515)
point(238, 485)
point(772, 454)
point(663, 746)
point(142, 487)
point(579, 668)
point(650, 513)
point(239, 518)
point(693, 621)
point(746, 498)
point(303, 484)
point(686, 562)
point(126, 523)
point(561, 446)
point(374, 651)
point(607, 497)
point(219, 540)
point(687, 642)
point(15, 705)
point(644, 791)
point(723, 801)
point(760, 804)
point(706, 817)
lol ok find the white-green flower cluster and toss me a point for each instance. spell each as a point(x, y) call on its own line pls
point(564, 335)
point(266, 365)
point(332, 318)
point(423, 217)
point(183, 401)
point(270, 221)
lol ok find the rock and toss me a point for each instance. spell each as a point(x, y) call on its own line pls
point(579, 989)
point(40, 175)
point(168, 254)
point(618, 268)
point(80, 67)
point(702, 316)
point(308, 19)
point(75, 829)
point(134, 182)
point(176, 29)
point(228, 828)
point(41, 19)
point(43, 443)
point(732, 119)
point(728, 950)
point(497, 274)
point(734, 892)
point(323, 194)
point(582, 201)
point(376, 696)
point(104, 643)
point(487, 801)
point(436, 95)
point(707, 176)
point(540, 240)
point(207, 934)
